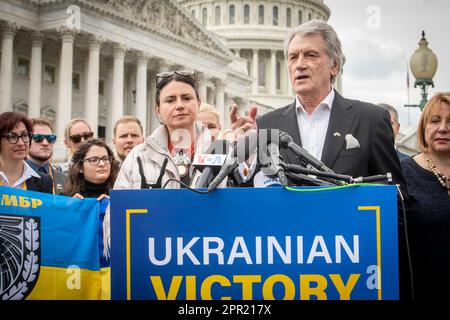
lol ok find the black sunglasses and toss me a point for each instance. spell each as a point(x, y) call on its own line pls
point(13, 137)
point(167, 74)
point(76, 138)
point(37, 137)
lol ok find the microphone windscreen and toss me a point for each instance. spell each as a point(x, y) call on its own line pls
point(214, 156)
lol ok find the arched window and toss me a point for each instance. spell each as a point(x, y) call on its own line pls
point(204, 17)
point(300, 17)
point(288, 18)
point(309, 16)
point(217, 16)
point(275, 16)
point(193, 13)
point(231, 15)
point(261, 14)
point(246, 14)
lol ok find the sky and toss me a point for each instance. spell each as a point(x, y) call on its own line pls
point(378, 38)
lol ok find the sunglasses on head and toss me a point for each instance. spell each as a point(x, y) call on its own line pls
point(37, 137)
point(167, 74)
point(76, 138)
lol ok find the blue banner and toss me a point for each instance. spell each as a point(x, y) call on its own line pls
point(51, 247)
point(245, 243)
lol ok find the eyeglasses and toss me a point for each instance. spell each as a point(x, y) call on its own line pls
point(76, 138)
point(95, 161)
point(167, 74)
point(13, 137)
point(37, 137)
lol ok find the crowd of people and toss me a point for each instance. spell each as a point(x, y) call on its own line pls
point(350, 137)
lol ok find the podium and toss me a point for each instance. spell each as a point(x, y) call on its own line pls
point(306, 243)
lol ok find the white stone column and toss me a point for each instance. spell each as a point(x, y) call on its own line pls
point(211, 96)
point(153, 120)
point(35, 88)
point(64, 107)
point(6, 71)
point(226, 120)
point(220, 99)
point(158, 65)
point(151, 83)
point(273, 72)
point(288, 88)
point(84, 54)
point(202, 87)
point(109, 122)
point(141, 89)
point(93, 75)
point(118, 83)
point(255, 74)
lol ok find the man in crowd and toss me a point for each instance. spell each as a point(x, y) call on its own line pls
point(350, 137)
point(77, 130)
point(128, 133)
point(395, 126)
point(41, 151)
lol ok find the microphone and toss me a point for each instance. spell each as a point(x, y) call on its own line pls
point(287, 143)
point(244, 148)
point(210, 162)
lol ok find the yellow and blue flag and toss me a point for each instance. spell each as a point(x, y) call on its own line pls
point(51, 247)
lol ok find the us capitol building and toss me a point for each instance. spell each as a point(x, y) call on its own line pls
point(97, 59)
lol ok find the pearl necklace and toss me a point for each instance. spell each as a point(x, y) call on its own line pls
point(443, 180)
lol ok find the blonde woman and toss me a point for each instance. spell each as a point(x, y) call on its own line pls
point(210, 117)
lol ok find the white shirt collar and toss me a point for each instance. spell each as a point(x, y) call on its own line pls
point(327, 102)
point(28, 172)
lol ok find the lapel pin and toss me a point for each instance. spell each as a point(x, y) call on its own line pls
point(337, 134)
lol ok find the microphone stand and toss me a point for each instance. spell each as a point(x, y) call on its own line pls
point(339, 179)
point(304, 180)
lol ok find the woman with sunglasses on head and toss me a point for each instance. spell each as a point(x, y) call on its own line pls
point(16, 133)
point(168, 152)
point(93, 172)
point(41, 152)
point(76, 131)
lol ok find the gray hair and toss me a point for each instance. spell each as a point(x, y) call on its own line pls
point(332, 42)
point(391, 110)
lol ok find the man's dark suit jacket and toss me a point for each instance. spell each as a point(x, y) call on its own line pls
point(366, 122)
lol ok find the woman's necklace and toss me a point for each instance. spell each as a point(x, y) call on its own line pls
point(443, 180)
point(182, 158)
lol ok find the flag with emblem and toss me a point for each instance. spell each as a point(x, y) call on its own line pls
point(51, 247)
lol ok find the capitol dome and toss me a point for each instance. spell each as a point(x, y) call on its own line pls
point(255, 30)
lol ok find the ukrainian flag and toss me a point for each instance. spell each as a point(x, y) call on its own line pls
point(51, 247)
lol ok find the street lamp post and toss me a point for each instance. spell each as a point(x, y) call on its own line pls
point(423, 65)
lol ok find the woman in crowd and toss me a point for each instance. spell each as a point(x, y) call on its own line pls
point(16, 133)
point(93, 172)
point(428, 178)
point(210, 117)
point(168, 152)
